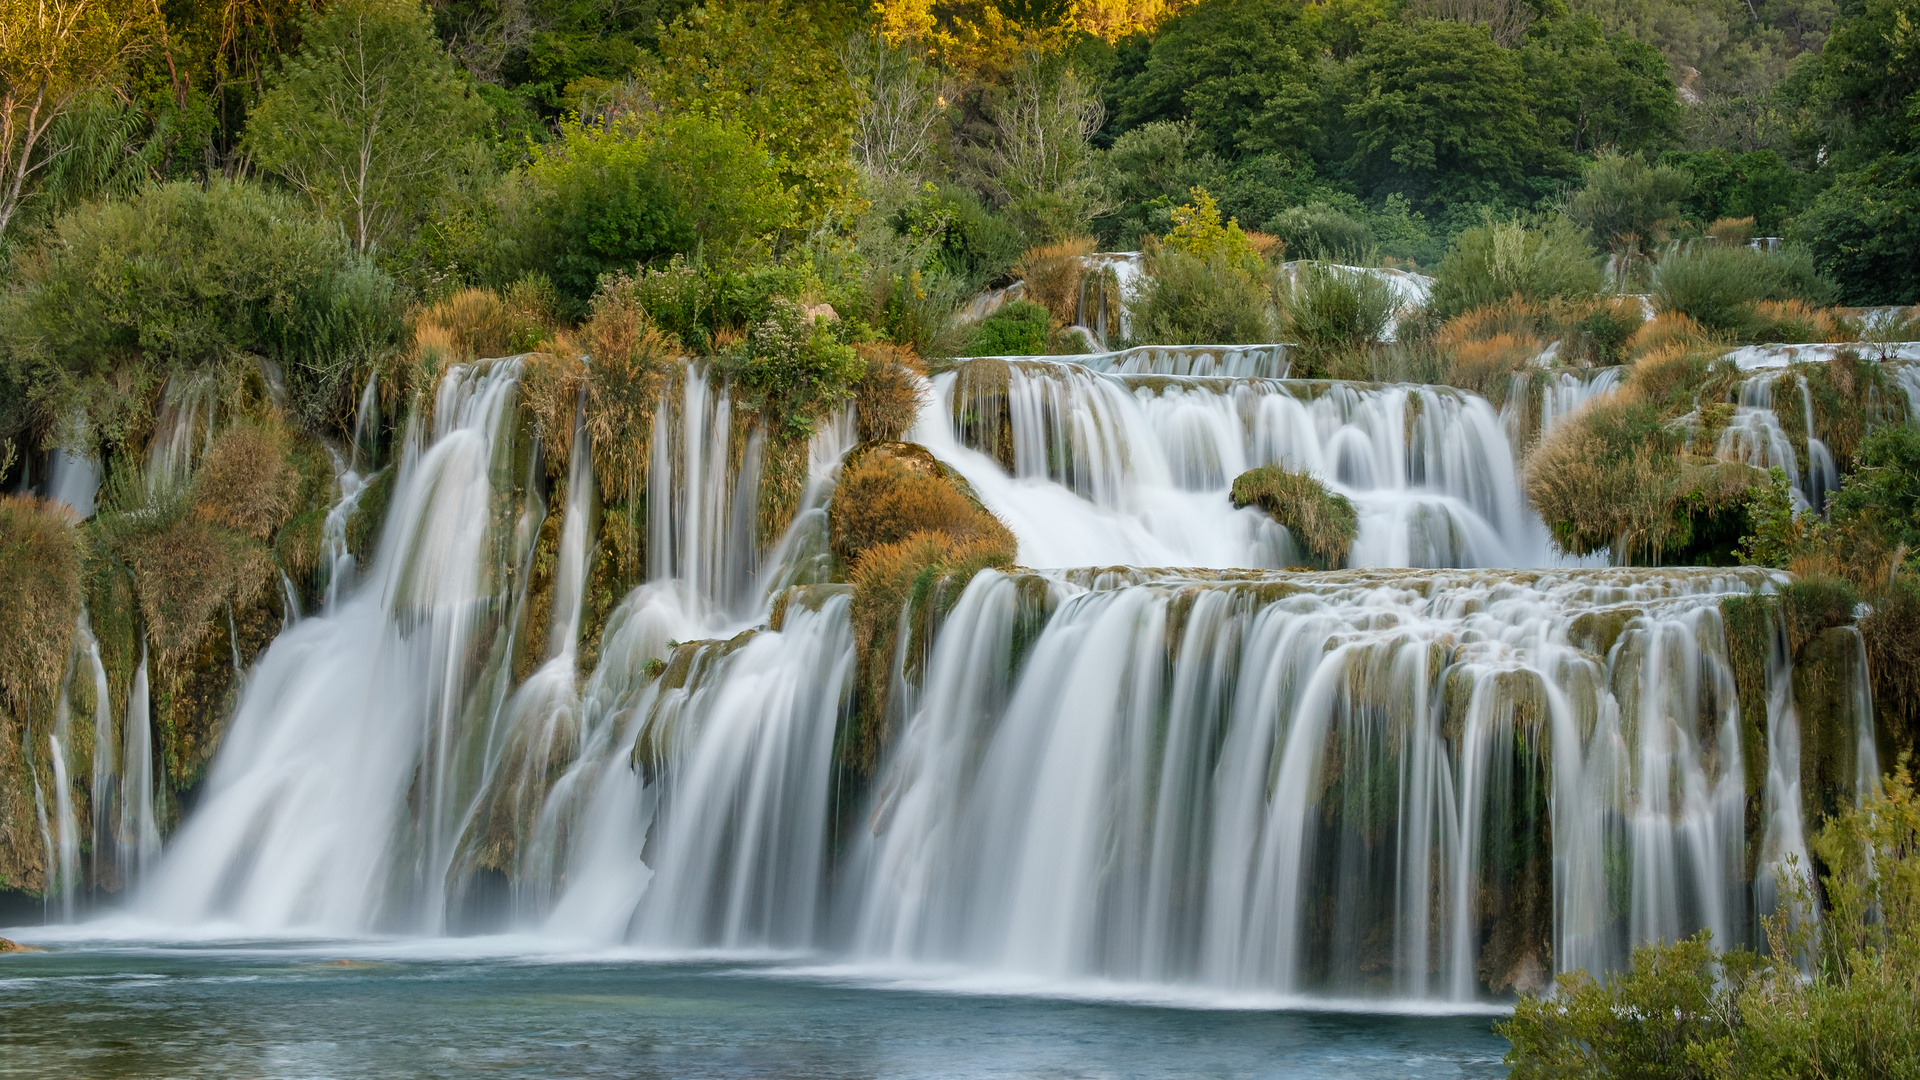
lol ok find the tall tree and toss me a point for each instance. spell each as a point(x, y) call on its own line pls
point(52, 52)
point(369, 120)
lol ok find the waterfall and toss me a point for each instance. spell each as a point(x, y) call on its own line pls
point(351, 762)
point(1433, 784)
point(1334, 782)
point(1090, 469)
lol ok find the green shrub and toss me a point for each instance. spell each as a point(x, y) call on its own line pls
point(182, 279)
point(1718, 285)
point(794, 368)
point(1499, 260)
point(1628, 206)
point(1018, 328)
point(1882, 493)
point(1322, 522)
point(1184, 299)
point(1683, 1010)
point(1331, 313)
point(639, 193)
point(1318, 231)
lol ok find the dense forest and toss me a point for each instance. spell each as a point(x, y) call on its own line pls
point(299, 214)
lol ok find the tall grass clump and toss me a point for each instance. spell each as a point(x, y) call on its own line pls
point(1720, 286)
point(888, 398)
point(1334, 316)
point(1497, 260)
point(1320, 521)
point(1053, 274)
point(40, 563)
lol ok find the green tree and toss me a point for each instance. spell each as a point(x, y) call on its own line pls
point(1760, 185)
point(1628, 206)
point(1443, 115)
point(773, 68)
point(1245, 72)
point(1864, 231)
point(1145, 174)
point(643, 190)
point(369, 120)
point(51, 53)
point(1592, 89)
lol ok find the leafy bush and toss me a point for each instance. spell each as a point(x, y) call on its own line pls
point(1318, 231)
point(1718, 285)
point(1883, 491)
point(1497, 260)
point(1683, 1010)
point(639, 192)
point(1018, 328)
point(1185, 299)
point(1628, 205)
point(795, 368)
point(1322, 522)
point(1332, 312)
point(182, 279)
point(1863, 232)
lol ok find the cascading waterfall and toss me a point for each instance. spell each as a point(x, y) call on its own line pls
point(1092, 469)
point(1430, 784)
point(1332, 782)
point(350, 766)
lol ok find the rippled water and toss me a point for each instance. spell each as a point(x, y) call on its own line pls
point(361, 1010)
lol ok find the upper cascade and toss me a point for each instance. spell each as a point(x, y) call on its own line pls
point(1091, 469)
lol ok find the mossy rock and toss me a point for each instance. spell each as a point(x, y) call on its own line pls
point(1825, 671)
point(888, 491)
point(369, 516)
point(1320, 521)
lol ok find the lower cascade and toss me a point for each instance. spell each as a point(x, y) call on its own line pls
point(1428, 784)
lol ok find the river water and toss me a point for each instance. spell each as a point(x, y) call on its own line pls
point(466, 1007)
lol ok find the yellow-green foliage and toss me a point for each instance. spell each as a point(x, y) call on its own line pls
point(890, 491)
point(887, 399)
point(1321, 521)
point(1197, 231)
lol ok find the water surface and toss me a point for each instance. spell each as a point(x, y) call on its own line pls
point(332, 1010)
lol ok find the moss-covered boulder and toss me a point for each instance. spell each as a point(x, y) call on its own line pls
point(1320, 521)
point(889, 491)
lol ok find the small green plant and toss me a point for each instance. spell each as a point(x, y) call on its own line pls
point(1780, 533)
point(1018, 328)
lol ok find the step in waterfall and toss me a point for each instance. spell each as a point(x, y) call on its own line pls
point(1150, 754)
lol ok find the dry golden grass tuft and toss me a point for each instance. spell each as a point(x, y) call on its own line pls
point(187, 573)
point(1797, 322)
point(1053, 274)
point(888, 398)
point(890, 491)
point(40, 559)
point(475, 324)
point(1668, 328)
point(246, 483)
